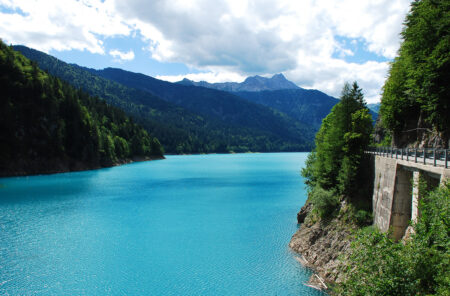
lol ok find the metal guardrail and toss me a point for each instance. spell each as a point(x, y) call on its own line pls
point(436, 157)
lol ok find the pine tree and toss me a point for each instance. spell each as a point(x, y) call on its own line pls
point(335, 163)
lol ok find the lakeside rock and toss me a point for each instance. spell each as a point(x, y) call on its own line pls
point(322, 244)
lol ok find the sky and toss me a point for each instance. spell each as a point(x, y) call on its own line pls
point(317, 44)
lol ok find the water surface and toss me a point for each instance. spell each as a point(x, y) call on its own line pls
point(187, 225)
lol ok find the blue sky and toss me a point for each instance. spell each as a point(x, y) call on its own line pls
point(318, 44)
point(142, 61)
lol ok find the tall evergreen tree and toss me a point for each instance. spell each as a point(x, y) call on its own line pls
point(335, 163)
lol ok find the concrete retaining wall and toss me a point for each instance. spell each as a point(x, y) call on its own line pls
point(396, 193)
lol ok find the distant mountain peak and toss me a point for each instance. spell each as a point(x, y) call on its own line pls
point(186, 81)
point(251, 83)
point(279, 76)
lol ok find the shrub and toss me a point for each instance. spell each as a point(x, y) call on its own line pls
point(325, 202)
point(416, 266)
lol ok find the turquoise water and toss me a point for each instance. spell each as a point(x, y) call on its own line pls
point(187, 225)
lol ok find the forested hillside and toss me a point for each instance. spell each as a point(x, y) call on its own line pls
point(49, 126)
point(216, 104)
point(307, 106)
point(415, 105)
point(181, 130)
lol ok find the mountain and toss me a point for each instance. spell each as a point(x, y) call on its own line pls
point(48, 126)
point(374, 107)
point(254, 83)
point(200, 121)
point(306, 106)
point(213, 103)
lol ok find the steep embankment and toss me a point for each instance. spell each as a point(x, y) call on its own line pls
point(336, 177)
point(322, 244)
point(49, 127)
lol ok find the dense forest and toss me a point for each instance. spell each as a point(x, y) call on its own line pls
point(187, 122)
point(49, 126)
point(415, 105)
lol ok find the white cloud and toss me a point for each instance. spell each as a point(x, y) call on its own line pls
point(122, 56)
point(212, 76)
point(234, 37)
point(61, 25)
point(294, 37)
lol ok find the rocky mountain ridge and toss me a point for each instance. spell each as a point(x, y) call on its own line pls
point(252, 83)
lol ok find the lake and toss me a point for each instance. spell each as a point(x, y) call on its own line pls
point(187, 225)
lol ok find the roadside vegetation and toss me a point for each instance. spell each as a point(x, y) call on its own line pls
point(419, 265)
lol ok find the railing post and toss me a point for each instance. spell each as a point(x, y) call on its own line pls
point(396, 153)
point(407, 154)
point(424, 156)
point(415, 155)
point(401, 151)
point(434, 156)
point(392, 150)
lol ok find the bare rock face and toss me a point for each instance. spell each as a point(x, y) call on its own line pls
point(303, 213)
point(321, 246)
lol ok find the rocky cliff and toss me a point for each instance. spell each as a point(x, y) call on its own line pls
point(323, 245)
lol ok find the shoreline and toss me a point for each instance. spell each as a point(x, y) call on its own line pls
point(61, 167)
point(224, 153)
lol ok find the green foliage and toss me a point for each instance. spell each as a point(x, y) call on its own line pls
point(325, 202)
point(335, 164)
point(417, 266)
point(417, 85)
point(47, 121)
point(356, 140)
point(363, 217)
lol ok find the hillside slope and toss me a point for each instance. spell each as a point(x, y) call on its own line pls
point(220, 105)
point(181, 130)
point(48, 126)
point(307, 106)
